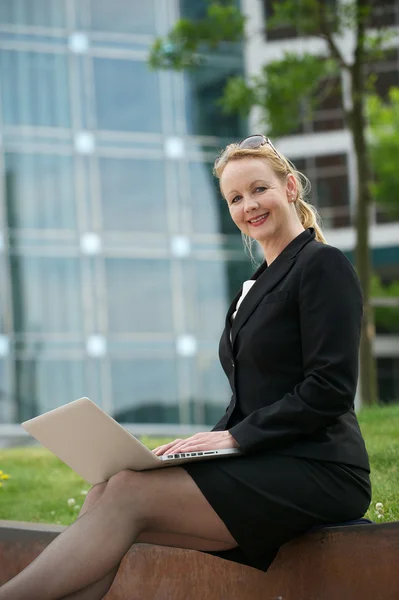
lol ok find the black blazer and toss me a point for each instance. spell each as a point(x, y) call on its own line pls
point(292, 361)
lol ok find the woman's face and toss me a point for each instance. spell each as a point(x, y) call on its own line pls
point(260, 204)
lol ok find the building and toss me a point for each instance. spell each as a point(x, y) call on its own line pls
point(322, 149)
point(118, 257)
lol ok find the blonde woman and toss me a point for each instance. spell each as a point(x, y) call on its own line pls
point(290, 352)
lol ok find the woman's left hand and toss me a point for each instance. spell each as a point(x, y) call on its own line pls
point(208, 440)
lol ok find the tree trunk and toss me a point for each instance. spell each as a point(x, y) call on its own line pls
point(357, 124)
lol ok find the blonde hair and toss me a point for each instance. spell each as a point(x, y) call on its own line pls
point(307, 213)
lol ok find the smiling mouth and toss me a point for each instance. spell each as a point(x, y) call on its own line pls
point(259, 220)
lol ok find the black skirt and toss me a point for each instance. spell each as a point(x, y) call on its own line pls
point(266, 499)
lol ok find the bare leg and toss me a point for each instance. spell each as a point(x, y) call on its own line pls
point(131, 504)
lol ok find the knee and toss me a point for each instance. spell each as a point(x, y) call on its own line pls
point(96, 492)
point(124, 482)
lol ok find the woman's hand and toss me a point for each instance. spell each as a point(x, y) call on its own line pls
point(208, 440)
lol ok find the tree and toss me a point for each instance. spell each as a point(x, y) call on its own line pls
point(310, 77)
point(383, 118)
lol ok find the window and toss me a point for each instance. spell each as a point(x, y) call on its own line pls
point(46, 294)
point(43, 384)
point(385, 14)
point(40, 191)
point(210, 213)
point(210, 391)
point(205, 86)
point(145, 390)
point(209, 289)
point(139, 295)
point(123, 16)
point(133, 195)
point(127, 96)
point(384, 72)
point(388, 379)
point(34, 89)
point(286, 31)
point(40, 13)
point(330, 191)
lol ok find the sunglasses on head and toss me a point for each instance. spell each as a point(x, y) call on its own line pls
point(253, 142)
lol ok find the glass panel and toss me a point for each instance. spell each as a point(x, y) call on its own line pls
point(141, 397)
point(198, 9)
point(121, 86)
point(204, 115)
point(285, 31)
point(330, 187)
point(210, 213)
point(388, 379)
point(40, 191)
point(34, 88)
point(127, 185)
point(123, 16)
point(139, 295)
point(42, 385)
point(47, 13)
point(46, 294)
point(213, 394)
point(209, 288)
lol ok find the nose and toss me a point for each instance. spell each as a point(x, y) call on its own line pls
point(251, 204)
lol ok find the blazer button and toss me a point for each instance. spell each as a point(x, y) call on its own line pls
point(233, 364)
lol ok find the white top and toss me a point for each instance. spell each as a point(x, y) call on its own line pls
point(246, 286)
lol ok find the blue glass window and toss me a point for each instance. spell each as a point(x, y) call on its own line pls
point(204, 87)
point(145, 390)
point(210, 213)
point(209, 288)
point(34, 88)
point(139, 295)
point(43, 384)
point(42, 13)
point(127, 96)
point(40, 191)
point(133, 194)
point(46, 294)
point(123, 16)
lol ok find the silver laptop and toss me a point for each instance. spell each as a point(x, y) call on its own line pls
point(94, 445)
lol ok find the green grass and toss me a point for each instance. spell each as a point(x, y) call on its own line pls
point(40, 484)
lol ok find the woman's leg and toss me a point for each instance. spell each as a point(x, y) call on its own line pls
point(100, 588)
point(165, 501)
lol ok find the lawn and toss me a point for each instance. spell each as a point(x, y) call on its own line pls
point(40, 485)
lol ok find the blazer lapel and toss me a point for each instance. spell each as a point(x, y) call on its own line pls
point(266, 279)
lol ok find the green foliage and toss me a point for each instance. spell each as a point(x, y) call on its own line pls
point(310, 17)
point(186, 43)
point(383, 120)
point(288, 91)
point(386, 317)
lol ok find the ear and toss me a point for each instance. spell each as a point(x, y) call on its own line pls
point(291, 188)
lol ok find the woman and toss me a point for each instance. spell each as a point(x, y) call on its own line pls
point(290, 352)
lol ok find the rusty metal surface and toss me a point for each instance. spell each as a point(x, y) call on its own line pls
point(349, 563)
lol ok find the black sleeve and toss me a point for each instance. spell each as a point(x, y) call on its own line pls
point(330, 314)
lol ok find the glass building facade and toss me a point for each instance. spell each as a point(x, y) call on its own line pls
point(118, 258)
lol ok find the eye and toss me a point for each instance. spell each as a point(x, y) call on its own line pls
point(235, 199)
point(260, 189)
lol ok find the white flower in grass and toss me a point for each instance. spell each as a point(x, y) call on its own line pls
point(379, 506)
point(52, 513)
point(380, 516)
point(76, 507)
point(71, 501)
point(84, 492)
